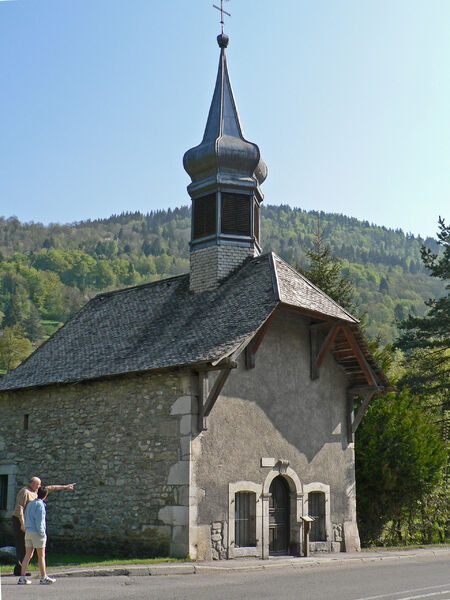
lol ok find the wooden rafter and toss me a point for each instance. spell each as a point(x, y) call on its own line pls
point(362, 410)
point(365, 367)
point(367, 393)
point(255, 343)
point(318, 354)
point(327, 345)
point(207, 397)
point(215, 390)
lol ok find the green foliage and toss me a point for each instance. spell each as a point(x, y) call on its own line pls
point(14, 347)
point(49, 272)
point(325, 272)
point(400, 460)
point(426, 340)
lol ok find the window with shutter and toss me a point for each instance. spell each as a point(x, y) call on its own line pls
point(245, 519)
point(204, 217)
point(3, 492)
point(235, 214)
point(316, 509)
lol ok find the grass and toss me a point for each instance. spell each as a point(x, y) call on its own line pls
point(88, 560)
point(81, 561)
point(404, 547)
point(50, 326)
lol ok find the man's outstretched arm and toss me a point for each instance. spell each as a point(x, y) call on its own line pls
point(59, 488)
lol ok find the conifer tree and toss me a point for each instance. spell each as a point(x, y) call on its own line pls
point(426, 340)
point(325, 271)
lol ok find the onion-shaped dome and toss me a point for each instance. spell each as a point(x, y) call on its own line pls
point(224, 155)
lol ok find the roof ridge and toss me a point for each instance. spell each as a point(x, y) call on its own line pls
point(311, 284)
point(138, 286)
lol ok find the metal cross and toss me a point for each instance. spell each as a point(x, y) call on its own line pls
point(222, 12)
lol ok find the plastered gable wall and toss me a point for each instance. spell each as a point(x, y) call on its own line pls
point(125, 441)
point(276, 410)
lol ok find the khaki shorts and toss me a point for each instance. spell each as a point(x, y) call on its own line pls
point(34, 540)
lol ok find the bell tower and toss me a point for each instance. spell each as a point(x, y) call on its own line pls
point(226, 172)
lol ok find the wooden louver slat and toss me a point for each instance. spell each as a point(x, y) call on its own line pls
point(204, 216)
point(235, 214)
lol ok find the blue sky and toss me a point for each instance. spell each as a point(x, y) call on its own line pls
point(348, 100)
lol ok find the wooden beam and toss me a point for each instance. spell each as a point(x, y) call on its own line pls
point(309, 314)
point(255, 343)
point(370, 377)
point(249, 358)
point(215, 390)
point(362, 410)
point(350, 399)
point(327, 345)
point(203, 392)
point(321, 326)
point(359, 390)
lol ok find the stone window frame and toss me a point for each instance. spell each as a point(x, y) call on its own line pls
point(10, 470)
point(233, 489)
point(317, 486)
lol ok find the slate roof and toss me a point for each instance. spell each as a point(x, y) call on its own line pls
point(163, 325)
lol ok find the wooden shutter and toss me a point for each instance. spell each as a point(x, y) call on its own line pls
point(316, 509)
point(256, 220)
point(204, 216)
point(245, 519)
point(3, 492)
point(235, 214)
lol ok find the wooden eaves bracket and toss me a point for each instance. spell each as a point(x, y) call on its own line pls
point(318, 355)
point(252, 347)
point(366, 392)
point(207, 397)
point(354, 420)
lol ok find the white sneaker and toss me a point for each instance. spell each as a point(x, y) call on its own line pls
point(24, 581)
point(47, 580)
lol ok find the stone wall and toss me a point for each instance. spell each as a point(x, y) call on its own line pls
point(125, 442)
point(209, 266)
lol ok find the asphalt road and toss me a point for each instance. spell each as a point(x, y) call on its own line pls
point(411, 579)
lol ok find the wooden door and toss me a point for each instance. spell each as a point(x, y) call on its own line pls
point(279, 517)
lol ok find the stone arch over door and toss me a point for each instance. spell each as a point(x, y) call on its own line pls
point(295, 508)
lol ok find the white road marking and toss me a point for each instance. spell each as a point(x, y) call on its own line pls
point(427, 595)
point(431, 587)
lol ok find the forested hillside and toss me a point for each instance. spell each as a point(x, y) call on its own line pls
point(49, 272)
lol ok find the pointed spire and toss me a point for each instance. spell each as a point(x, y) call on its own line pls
point(226, 171)
point(223, 117)
point(223, 151)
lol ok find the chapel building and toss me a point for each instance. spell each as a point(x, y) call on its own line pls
point(208, 415)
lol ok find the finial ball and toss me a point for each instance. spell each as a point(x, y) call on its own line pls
point(223, 40)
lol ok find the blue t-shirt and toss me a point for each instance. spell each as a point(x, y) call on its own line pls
point(35, 517)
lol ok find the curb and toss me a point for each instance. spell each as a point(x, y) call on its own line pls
point(240, 565)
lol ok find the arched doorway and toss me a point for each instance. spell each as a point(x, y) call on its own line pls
point(279, 516)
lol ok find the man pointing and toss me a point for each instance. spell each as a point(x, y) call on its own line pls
point(25, 495)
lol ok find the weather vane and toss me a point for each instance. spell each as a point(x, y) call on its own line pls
point(222, 13)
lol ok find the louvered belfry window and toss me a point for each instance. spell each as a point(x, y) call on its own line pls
point(204, 216)
point(236, 214)
point(256, 220)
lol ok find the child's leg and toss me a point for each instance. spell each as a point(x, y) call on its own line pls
point(28, 555)
point(41, 561)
